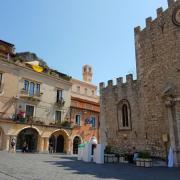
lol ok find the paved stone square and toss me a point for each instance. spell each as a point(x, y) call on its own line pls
point(19, 166)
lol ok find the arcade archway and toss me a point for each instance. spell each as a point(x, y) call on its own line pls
point(59, 141)
point(27, 136)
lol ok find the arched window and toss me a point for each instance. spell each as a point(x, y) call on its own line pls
point(124, 115)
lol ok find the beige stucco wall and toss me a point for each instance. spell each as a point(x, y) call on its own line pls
point(13, 83)
point(8, 89)
point(84, 85)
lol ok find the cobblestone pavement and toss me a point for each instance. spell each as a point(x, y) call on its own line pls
point(18, 166)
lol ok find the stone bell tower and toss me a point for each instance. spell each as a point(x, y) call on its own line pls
point(87, 73)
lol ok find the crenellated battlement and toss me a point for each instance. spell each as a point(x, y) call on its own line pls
point(159, 12)
point(119, 82)
point(148, 22)
point(137, 30)
point(129, 78)
point(171, 2)
point(110, 83)
point(151, 42)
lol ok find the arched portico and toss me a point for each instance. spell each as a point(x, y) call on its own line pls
point(28, 136)
point(60, 141)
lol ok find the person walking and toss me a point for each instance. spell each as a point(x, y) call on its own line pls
point(13, 145)
point(135, 155)
point(50, 147)
point(24, 148)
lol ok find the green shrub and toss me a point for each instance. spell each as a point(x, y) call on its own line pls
point(144, 155)
point(65, 124)
point(108, 150)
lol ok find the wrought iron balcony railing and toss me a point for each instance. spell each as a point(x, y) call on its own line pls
point(60, 102)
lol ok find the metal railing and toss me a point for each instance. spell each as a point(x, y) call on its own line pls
point(60, 101)
point(27, 93)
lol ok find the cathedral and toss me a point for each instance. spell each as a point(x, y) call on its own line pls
point(145, 113)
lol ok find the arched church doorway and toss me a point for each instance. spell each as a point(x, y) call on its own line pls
point(60, 144)
point(76, 142)
point(27, 136)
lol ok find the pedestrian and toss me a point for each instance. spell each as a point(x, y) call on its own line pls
point(13, 144)
point(135, 154)
point(24, 148)
point(50, 147)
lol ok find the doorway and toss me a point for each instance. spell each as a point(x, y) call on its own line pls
point(76, 142)
point(30, 136)
point(60, 144)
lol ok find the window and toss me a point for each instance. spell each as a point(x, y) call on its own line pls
point(92, 92)
point(93, 121)
point(31, 89)
point(59, 95)
point(38, 89)
point(58, 116)
point(78, 119)
point(26, 85)
point(124, 115)
point(29, 111)
point(0, 80)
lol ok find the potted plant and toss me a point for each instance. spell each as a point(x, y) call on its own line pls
point(66, 124)
point(144, 159)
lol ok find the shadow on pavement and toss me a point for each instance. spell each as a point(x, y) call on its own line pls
point(115, 171)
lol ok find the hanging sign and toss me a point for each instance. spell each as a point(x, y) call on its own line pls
point(88, 121)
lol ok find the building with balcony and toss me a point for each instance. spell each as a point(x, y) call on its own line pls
point(41, 106)
point(34, 102)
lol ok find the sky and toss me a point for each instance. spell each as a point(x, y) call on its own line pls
point(70, 33)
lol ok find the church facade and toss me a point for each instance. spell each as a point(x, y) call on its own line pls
point(145, 113)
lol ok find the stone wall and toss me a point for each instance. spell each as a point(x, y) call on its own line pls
point(111, 133)
point(158, 60)
point(157, 53)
